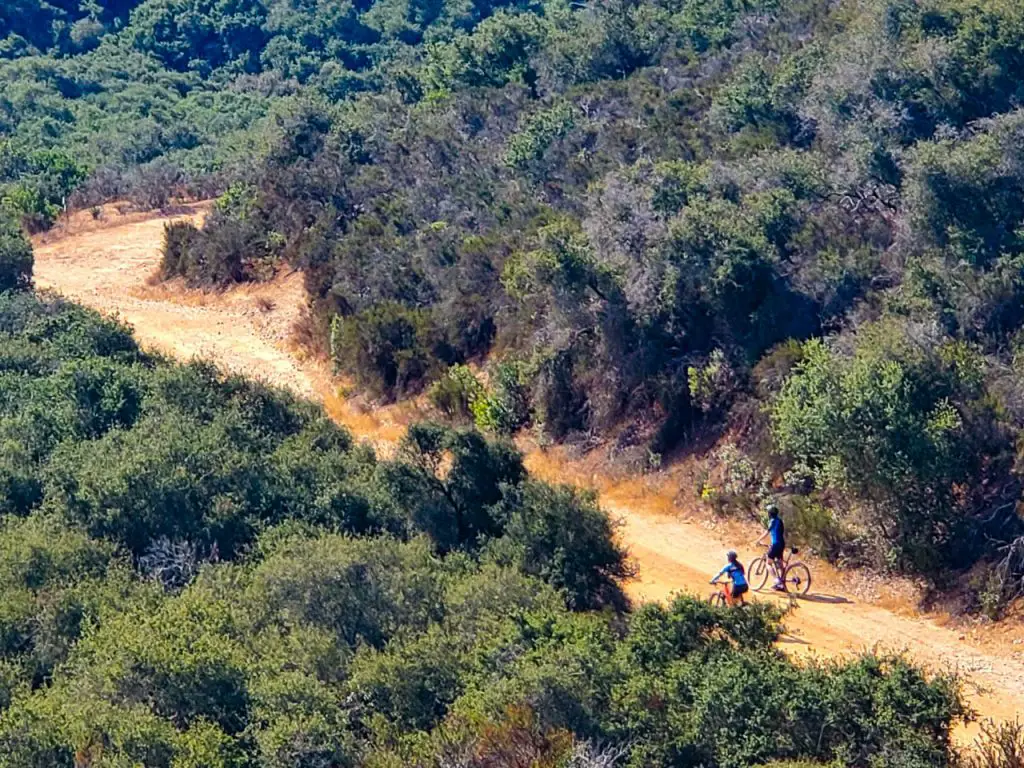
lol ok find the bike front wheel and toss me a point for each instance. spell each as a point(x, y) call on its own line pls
point(716, 599)
point(798, 579)
point(757, 574)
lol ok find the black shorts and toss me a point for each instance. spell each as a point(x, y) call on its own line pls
point(777, 551)
point(739, 589)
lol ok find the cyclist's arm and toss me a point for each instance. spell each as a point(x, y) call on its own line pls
point(762, 538)
point(720, 574)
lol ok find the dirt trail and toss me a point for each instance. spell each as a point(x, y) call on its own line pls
point(246, 330)
point(108, 264)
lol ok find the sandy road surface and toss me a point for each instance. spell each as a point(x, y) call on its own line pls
point(246, 331)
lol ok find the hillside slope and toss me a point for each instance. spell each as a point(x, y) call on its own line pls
point(106, 266)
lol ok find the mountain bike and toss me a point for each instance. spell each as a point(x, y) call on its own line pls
point(796, 576)
point(718, 599)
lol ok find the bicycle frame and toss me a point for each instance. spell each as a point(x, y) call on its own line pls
point(786, 557)
point(724, 588)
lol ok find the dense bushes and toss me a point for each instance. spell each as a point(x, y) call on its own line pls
point(615, 211)
point(199, 571)
point(901, 426)
point(39, 184)
point(111, 442)
point(164, 99)
point(389, 347)
point(635, 250)
point(255, 666)
point(228, 251)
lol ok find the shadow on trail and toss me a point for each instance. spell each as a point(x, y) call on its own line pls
point(811, 598)
point(832, 599)
point(786, 637)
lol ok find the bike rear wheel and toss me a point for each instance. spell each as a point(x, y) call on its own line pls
point(798, 579)
point(757, 574)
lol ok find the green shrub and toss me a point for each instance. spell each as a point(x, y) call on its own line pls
point(364, 592)
point(230, 248)
point(29, 205)
point(505, 409)
point(526, 148)
point(16, 258)
point(180, 249)
point(712, 385)
point(390, 349)
point(412, 683)
point(455, 393)
point(559, 396)
point(560, 535)
point(451, 483)
point(896, 427)
point(814, 525)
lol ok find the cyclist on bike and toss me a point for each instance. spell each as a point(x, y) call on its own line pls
point(736, 574)
point(777, 533)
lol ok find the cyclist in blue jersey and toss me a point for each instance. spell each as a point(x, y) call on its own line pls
point(734, 570)
point(776, 551)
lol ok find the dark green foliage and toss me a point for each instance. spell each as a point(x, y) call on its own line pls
point(560, 535)
point(391, 349)
point(64, 25)
point(41, 183)
point(986, 171)
point(506, 408)
point(255, 664)
point(185, 34)
point(331, 583)
point(198, 571)
point(453, 483)
point(52, 581)
point(456, 393)
point(902, 428)
point(230, 249)
point(179, 249)
point(15, 255)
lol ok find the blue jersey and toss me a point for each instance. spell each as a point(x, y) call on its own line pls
point(735, 572)
point(777, 532)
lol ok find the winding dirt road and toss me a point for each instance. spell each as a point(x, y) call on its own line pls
point(247, 330)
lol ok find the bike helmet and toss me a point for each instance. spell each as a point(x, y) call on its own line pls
point(772, 510)
point(731, 555)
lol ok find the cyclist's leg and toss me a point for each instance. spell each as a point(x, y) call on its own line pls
point(739, 594)
point(776, 554)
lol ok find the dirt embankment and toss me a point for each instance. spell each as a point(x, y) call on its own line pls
point(106, 265)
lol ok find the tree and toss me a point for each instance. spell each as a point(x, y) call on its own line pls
point(902, 427)
point(563, 537)
point(452, 481)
